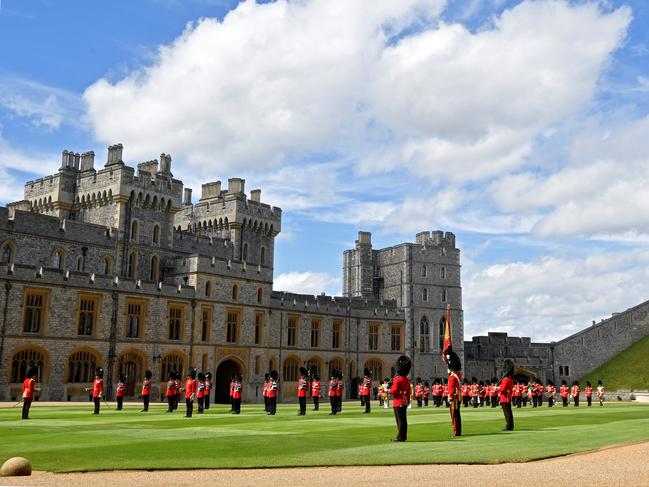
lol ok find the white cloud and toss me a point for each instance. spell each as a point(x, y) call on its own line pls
point(551, 297)
point(308, 283)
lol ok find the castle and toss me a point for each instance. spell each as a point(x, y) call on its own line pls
point(117, 267)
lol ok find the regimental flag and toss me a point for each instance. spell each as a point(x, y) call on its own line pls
point(448, 344)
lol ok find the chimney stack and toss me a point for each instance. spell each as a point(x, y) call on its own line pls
point(255, 195)
point(188, 197)
point(88, 161)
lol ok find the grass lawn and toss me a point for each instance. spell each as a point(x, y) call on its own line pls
point(615, 373)
point(68, 438)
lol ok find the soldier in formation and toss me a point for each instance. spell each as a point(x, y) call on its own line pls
point(400, 390)
point(29, 389)
point(315, 391)
point(302, 388)
point(146, 390)
point(120, 389)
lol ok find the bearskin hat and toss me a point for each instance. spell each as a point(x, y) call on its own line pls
point(418, 380)
point(122, 377)
point(464, 381)
point(550, 383)
point(564, 383)
point(208, 375)
point(304, 372)
point(148, 374)
point(426, 383)
point(32, 371)
point(508, 368)
point(273, 374)
point(266, 376)
point(367, 372)
point(239, 376)
point(494, 380)
point(99, 372)
point(588, 384)
point(453, 362)
point(474, 380)
point(599, 382)
point(201, 376)
point(192, 372)
point(403, 365)
point(316, 376)
point(575, 383)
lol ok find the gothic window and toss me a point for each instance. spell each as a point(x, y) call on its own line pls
point(108, 265)
point(335, 364)
point(206, 322)
point(315, 333)
point(424, 271)
point(290, 369)
point(313, 365)
point(262, 256)
point(442, 272)
point(131, 265)
point(35, 303)
point(81, 367)
point(88, 307)
point(208, 289)
point(443, 295)
point(373, 336)
point(232, 326)
point(376, 367)
point(171, 362)
point(154, 271)
point(235, 292)
point(259, 295)
point(134, 230)
point(7, 253)
point(176, 312)
point(396, 338)
point(156, 234)
point(134, 318)
point(58, 259)
point(259, 326)
point(291, 331)
point(245, 251)
point(80, 264)
point(336, 331)
point(424, 335)
point(424, 294)
point(24, 359)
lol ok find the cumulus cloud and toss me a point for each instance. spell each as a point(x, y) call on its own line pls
point(308, 283)
point(552, 297)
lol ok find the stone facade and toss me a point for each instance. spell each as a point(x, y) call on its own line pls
point(118, 268)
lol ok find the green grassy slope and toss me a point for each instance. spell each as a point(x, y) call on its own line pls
point(71, 439)
point(628, 370)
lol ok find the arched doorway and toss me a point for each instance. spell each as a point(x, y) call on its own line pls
point(222, 380)
point(131, 364)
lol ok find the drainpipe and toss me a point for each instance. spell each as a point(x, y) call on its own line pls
point(5, 310)
point(112, 347)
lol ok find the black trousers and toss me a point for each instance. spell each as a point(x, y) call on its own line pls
point(476, 401)
point(176, 401)
point(550, 402)
point(190, 407)
point(302, 401)
point(266, 404)
point(27, 402)
point(465, 401)
point(316, 403)
point(362, 400)
point(201, 405)
point(170, 402)
point(400, 414)
point(145, 399)
point(509, 417)
point(437, 400)
point(456, 418)
point(207, 400)
point(97, 404)
point(576, 399)
point(120, 402)
point(334, 404)
point(236, 405)
point(565, 401)
point(419, 401)
point(425, 400)
point(367, 403)
point(589, 399)
point(487, 400)
point(518, 400)
point(272, 405)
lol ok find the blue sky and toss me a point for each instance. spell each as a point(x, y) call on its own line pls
point(522, 127)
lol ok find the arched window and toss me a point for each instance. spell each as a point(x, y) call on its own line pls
point(424, 335)
point(262, 256)
point(232, 326)
point(443, 295)
point(156, 234)
point(259, 295)
point(208, 289)
point(235, 292)
point(442, 330)
point(290, 370)
point(155, 269)
point(335, 364)
point(171, 362)
point(376, 367)
point(132, 264)
point(80, 262)
point(424, 294)
point(108, 265)
point(7, 253)
point(81, 367)
point(58, 259)
point(24, 359)
point(424, 271)
point(442, 272)
point(313, 365)
point(245, 252)
point(131, 364)
point(134, 230)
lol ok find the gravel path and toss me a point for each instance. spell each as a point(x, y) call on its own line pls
point(623, 465)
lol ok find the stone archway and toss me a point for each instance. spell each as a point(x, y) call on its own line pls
point(222, 380)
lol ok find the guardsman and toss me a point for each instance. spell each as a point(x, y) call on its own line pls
point(146, 390)
point(208, 389)
point(340, 386)
point(534, 393)
point(426, 393)
point(564, 392)
point(400, 390)
point(574, 392)
point(550, 393)
point(302, 388)
point(190, 391)
point(29, 388)
point(487, 393)
point(265, 391)
point(120, 388)
point(315, 391)
point(437, 392)
point(466, 393)
point(505, 394)
point(494, 392)
point(177, 388)
point(170, 393)
point(236, 394)
point(232, 380)
point(445, 392)
point(98, 388)
point(419, 392)
point(455, 391)
point(517, 392)
point(539, 392)
point(386, 393)
point(332, 393)
point(200, 392)
point(366, 389)
point(273, 387)
point(589, 393)
point(601, 393)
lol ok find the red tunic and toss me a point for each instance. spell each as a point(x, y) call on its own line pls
point(120, 389)
point(315, 388)
point(505, 391)
point(454, 386)
point(265, 389)
point(201, 389)
point(302, 387)
point(236, 390)
point(190, 388)
point(564, 391)
point(419, 390)
point(146, 387)
point(589, 391)
point(366, 387)
point(97, 387)
point(28, 388)
point(170, 388)
point(340, 385)
point(400, 391)
point(272, 388)
point(332, 388)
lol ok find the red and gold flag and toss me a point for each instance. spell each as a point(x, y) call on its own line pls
point(448, 344)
